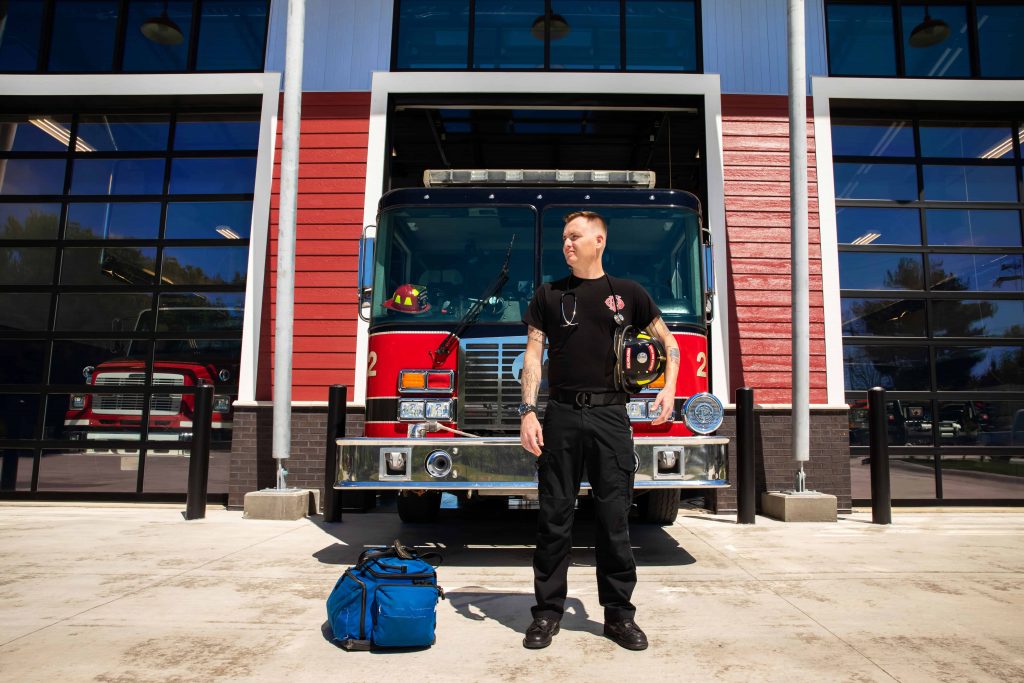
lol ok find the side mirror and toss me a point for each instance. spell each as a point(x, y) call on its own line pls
point(367, 249)
point(709, 275)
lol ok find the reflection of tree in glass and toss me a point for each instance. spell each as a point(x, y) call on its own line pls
point(37, 226)
point(907, 275)
point(28, 265)
point(175, 273)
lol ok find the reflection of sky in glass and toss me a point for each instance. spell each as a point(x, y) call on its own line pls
point(19, 49)
point(593, 38)
point(502, 36)
point(995, 368)
point(205, 265)
point(114, 221)
point(860, 40)
point(900, 368)
point(434, 34)
point(880, 270)
point(976, 272)
point(143, 54)
point(948, 59)
point(875, 181)
point(47, 134)
point(873, 138)
point(124, 134)
point(970, 183)
point(213, 176)
point(208, 220)
point(861, 225)
point(216, 132)
point(977, 318)
point(83, 35)
point(973, 228)
point(660, 36)
point(232, 35)
point(1000, 28)
point(966, 142)
point(117, 176)
point(32, 176)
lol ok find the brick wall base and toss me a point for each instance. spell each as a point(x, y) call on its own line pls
point(253, 466)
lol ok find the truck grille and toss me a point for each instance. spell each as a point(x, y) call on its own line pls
point(131, 404)
point(490, 390)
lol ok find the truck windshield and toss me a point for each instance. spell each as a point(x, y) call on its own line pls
point(433, 263)
point(657, 247)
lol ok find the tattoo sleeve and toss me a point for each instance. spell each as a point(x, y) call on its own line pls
point(673, 356)
point(531, 384)
point(532, 365)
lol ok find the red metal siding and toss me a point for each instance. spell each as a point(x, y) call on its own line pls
point(755, 139)
point(332, 170)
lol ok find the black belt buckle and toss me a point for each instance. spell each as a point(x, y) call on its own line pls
point(584, 399)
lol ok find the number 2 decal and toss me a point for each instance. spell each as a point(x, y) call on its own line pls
point(702, 364)
point(371, 364)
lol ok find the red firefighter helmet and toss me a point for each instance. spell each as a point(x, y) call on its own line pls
point(409, 298)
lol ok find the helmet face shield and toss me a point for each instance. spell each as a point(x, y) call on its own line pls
point(639, 359)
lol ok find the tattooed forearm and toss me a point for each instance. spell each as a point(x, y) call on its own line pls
point(673, 356)
point(535, 334)
point(531, 383)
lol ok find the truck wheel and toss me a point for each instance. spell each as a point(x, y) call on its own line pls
point(415, 508)
point(660, 506)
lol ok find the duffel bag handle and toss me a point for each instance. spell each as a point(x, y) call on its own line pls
point(396, 549)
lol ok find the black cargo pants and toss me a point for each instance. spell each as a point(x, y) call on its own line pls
point(599, 437)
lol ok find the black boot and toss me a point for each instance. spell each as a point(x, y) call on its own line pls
point(626, 633)
point(539, 633)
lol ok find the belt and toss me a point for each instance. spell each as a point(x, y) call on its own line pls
point(591, 398)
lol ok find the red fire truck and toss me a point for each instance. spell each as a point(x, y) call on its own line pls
point(454, 266)
point(183, 362)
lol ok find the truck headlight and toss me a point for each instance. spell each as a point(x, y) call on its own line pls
point(222, 403)
point(411, 410)
point(439, 410)
point(77, 401)
point(704, 413)
point(636, 410)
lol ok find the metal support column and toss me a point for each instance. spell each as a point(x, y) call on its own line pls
point(878, 435)
point(746, 500)
point(337, 397)
point(199, 457)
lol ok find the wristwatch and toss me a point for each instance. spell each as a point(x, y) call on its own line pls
point(525, 408)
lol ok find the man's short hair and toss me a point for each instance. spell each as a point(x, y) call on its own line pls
point(591, 216)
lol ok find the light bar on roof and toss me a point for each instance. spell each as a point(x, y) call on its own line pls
point(517, 176)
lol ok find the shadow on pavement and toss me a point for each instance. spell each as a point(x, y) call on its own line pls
point(512, 610)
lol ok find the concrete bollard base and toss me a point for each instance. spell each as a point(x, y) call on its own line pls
point(286, 504)
point(799, 507)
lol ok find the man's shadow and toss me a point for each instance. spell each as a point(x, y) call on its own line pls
point(512, 610)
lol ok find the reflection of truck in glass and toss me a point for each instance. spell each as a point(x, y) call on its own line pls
point(453, 269)
point(184, 362)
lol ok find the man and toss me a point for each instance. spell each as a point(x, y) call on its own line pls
point(586, 424)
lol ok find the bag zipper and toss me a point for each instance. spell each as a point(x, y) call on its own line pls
point(362, 605)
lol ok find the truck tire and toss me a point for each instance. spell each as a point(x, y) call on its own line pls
point(660, 506)
point(415, 508)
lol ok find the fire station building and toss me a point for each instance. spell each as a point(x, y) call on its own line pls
point(139, 196)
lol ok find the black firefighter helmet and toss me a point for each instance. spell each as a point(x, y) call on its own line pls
point(639, 359)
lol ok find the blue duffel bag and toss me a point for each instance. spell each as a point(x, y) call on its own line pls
point(388, 599)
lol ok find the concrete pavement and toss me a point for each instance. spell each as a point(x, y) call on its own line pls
point(119, 594)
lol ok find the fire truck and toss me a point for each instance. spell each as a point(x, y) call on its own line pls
point(183, 362)
point(453, 266)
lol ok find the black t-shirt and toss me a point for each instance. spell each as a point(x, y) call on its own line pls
point(580, 356)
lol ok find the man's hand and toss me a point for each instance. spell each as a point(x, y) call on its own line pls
point(666, 399)
point(531, 436)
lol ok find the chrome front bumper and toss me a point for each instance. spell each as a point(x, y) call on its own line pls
point(502, 464)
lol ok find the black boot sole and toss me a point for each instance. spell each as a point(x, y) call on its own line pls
point(636, 647)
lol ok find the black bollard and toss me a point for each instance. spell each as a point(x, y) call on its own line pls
point(881, 503)
point(746, 503)
point(337, 397)
point(199, 459)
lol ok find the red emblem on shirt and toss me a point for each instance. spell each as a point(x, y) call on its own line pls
point(617, 306)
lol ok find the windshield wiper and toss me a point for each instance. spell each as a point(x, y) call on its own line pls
point(446, 347)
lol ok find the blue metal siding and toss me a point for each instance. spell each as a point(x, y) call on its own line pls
point(346, 40)
point(745, 43)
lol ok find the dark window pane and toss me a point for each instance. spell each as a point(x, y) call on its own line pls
point(23, 361)
point(107, 312)
point(856, 225)
point(977, 318)
point(973, 228)
point(35, 133)
point(593, 39)
point(875, 181)
point(502, 38)
point(29, 221)
point(901, 368)
point(949, 58)
point(18, 413)
point(975, 477)
point(1000, 28)
point(433, 34)
point(123, 133)
point(232, 35)
point(19, 43)
point(87, 469)
point(861, 40)
point(883, 317)
point(996, 423)
point(879, 270)
point(213, 176)
point(129, 220)
point(916, 424)
point(976, 272)
point(117, 176)
point(26, 265)
point(872, 138)
point(205, 265)
point(967, 141)
point(970, 183)
point(208, 220)
point(201, 312)
point(108, 266)
point(860, 424)
point(989, 368)
point(170, 52)
point(217, 131)
point(17, 464)
point(28, 312)
point(76, 361)
point(31, 176)
point(661, 35)
point(83, 35)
